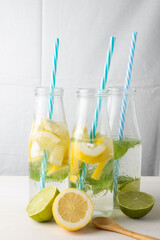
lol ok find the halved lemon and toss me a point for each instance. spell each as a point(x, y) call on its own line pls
point(47, 140)
point(72, 209)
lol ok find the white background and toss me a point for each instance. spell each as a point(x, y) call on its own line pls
point(27, 32)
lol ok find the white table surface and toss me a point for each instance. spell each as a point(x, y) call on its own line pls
point(15, 224)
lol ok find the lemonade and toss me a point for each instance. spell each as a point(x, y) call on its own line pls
point(128, 153)
point(49, 140)
point(92, 168)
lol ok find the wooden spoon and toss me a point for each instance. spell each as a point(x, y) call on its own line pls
point(110, 225)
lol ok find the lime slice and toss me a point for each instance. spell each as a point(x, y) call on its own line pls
point(130, 185)
point(135, 204)
point(40, 206)
point(58, 174)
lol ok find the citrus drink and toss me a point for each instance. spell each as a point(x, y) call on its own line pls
point(92, 169)
point(128, 153)
point(49, 142)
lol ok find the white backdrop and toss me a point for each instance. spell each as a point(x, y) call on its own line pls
point(27, 31)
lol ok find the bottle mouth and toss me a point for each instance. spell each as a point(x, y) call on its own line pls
point(121, 90)
point(92, 92)
point(48, 91)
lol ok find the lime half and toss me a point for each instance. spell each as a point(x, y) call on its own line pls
point(135, 204)
point(40, 206)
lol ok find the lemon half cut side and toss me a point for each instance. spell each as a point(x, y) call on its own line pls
point(72, 209)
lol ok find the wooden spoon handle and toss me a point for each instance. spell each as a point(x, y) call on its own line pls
point(134, 234)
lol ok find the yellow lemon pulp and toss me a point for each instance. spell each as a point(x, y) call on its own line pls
point(92, 153)
point(97, 152)
point(73, 209)
point(57, 155)
point(74, 158)
point(73, 178)
point(54, 138)
point(97, 173)
point(35, 152)
point(47, 140)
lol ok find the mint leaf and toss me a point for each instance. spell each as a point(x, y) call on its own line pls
point(104, 183)
point(122, 146)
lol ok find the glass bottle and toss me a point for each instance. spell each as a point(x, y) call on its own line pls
point(91, 157)
point(49, 142)
point(128, 150)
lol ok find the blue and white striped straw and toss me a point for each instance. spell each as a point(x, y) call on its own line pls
point(98, 105)
point(50, 108)
point(103, 85)
point(124, 106)
point(53, 75)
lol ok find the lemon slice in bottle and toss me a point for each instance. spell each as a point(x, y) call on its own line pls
point(97, 173)
point(47, 140)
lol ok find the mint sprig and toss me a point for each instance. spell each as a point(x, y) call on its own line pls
point(122, 146)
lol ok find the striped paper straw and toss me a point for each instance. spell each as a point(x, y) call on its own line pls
point(50, 108)
point(98, 105)
point(124, 106)
point(103, 85)
point(53, 75)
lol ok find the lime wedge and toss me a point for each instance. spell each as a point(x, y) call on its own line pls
point(40, 206)
point(135, 204)
point(57, 174)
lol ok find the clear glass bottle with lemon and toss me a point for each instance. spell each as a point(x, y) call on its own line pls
point(49, 142)
point(91, 159)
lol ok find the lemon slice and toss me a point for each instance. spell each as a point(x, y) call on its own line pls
point(81, 133)
point(98, 170)
point(93, 153)
point(74, 158)
point(73, 178)
point(60, 129)
point(99, 138)
point(35, 151)
point(97, 173)
point(47, 140)
point(57, 155)
point(91, 149)
point(72, 209)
